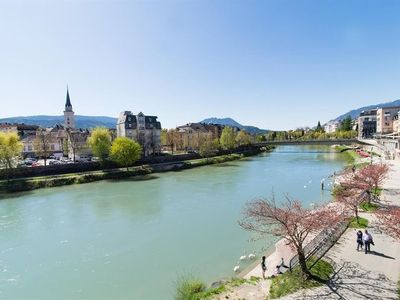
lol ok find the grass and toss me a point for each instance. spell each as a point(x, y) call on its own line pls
point(290, 282)
point(369, 206)
point(362, 223)
point(377, 191)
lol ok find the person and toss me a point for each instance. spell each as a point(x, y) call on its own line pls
point(263, 266)
point(277, 270)
point(367, 237)
point(359, 240)
point(282, 265)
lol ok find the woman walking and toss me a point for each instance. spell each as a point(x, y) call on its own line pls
point(359, 240)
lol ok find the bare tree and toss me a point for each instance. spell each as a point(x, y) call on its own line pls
point(42, 144)
point(290, 221)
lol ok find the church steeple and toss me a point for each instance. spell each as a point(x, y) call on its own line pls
point(69, 119)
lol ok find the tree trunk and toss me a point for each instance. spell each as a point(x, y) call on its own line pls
point(305, 273)
point(356, 213)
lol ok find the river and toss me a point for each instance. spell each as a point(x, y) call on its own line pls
point(132, 239)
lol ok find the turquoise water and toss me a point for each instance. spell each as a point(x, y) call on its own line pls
point(132, 239)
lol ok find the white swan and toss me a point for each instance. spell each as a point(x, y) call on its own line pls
point(252, 256)
point(243, 257)
point(236, 269)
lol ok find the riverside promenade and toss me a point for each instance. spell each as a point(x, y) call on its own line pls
point(356, 275)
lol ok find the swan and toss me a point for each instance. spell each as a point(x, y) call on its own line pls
point(243, 257)
point(252, 256)
point(236, 268)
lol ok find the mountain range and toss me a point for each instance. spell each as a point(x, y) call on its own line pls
point(49, 121)
point(356, 112)
point(231, 122)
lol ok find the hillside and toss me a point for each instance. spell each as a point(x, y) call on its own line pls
point(48, 121)
point(231, 122)
point(356, 112)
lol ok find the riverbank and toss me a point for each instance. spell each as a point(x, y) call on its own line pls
point(32, 183)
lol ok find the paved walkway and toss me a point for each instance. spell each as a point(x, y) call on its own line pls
point(364, 276)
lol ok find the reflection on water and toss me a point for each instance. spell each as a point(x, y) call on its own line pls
point(114, 239)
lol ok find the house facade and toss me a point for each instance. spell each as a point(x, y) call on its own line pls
point(367, 124)
point(145, 130)
point(384, 119)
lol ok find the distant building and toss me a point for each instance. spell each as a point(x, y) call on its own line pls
point(367, 124)
point(331, 126)
point(145, 130)
point(69, 118)
point(384, 119)
point(396, 123)
point(189, 136)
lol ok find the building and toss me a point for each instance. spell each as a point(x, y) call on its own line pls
point(145, 130)
point(189, 136)
point(69, 118)
point(384, 119)
point(396, 123)
point(367, 124)
point(331, 126)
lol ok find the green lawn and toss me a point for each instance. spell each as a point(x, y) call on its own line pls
point(369, 206)
point(290, 282)
point(363, 223)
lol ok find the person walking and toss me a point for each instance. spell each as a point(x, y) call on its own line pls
point(360, 242)
point(263, 266)
point(367, 237)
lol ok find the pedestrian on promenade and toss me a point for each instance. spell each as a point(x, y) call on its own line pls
point(277, 270)
point(263, 266)
point(282, 265)
point(359, 240)
point(367, 237)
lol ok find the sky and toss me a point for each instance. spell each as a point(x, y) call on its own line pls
point(273, 64)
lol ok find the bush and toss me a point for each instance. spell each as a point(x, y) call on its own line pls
point(188, 288)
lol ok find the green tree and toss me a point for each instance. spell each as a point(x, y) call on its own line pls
point(208, 146)
point(260, 138)
point(10, 149)
point(243, 138)
point(345, 125)
point(100, 143)
point(125, 152)
point(319, 127)
point(227, 139)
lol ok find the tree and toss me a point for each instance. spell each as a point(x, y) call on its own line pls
point(208, 146)
point(351, 198)
point(260, 138)
point(100, 143)
point(42, 144)
point(125, 152)
point(172, 139)
point(345, 124)
point(243, 138)
point(319, 127)
point(10, 149)
point(75, 142)
point(388, 220)
point(227, 139)
point(290, 221)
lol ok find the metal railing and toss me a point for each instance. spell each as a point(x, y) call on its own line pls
point(321, 243)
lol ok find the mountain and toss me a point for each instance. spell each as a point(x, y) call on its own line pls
point(356, 112)
point(232, 123)
point(48, 121)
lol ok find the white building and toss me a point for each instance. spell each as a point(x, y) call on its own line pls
point(331, 126)
point(145, 130)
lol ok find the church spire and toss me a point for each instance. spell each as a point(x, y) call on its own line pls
point(68, 102)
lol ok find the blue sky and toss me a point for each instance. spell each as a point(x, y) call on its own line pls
point(274, 64)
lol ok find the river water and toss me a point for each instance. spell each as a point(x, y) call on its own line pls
point(132, 239)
